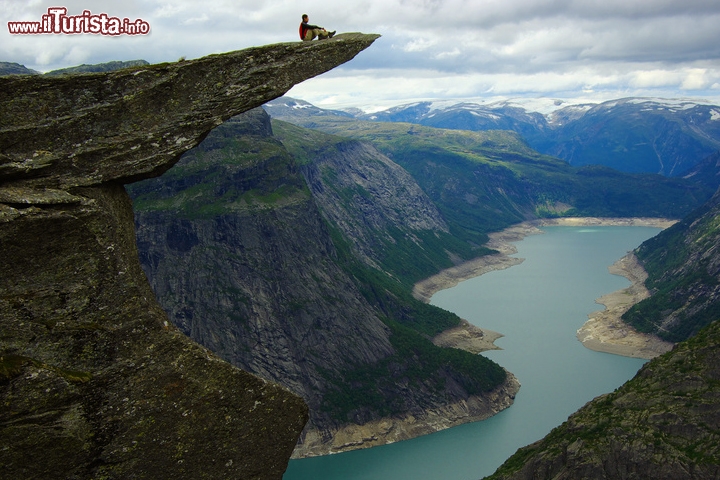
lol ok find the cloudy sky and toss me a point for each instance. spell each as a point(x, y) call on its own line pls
point(481, 50)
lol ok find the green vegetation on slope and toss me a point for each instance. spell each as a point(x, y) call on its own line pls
point(683, 276)
point(392, 298)
point(408, 254)
point(411, 259)
point(209, 181)
point(417, 363)
point(661, 424)
point(485, 181)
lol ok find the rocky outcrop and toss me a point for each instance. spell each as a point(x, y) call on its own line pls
point(81, 130)
point(95, 382)
point(662, 424)
point(683, 265)
point(242, 277)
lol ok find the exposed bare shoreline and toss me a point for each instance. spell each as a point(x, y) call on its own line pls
point(394, 429)
point(604, 331)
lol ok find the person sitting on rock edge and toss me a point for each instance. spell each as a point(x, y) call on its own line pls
point(308, 32)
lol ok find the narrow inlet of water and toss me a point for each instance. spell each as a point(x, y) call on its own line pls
point(538, 306)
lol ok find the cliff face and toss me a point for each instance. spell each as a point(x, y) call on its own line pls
point(273, 276)
point(662, 424)
point(683, 265)
point(247, 271)
point(366, 195)
point(94, 379)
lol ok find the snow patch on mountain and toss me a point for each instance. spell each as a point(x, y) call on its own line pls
point(674, 104)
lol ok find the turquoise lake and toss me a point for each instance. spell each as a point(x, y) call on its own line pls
point(538, 306)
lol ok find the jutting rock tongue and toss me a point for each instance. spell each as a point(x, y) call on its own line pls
point(81, 130)
point(94, 381)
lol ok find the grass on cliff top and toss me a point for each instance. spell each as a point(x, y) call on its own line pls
point(492, 146)
point(302, 143)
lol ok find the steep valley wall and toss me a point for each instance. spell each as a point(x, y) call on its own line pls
point(242, 258)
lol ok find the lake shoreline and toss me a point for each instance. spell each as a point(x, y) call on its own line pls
point(604, 331)
point(404, 427)
point(467, 336)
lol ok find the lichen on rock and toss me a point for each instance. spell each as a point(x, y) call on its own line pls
point(94, 380)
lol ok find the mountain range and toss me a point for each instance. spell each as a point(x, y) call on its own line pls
point(664, 422)
point(10, 68)
point(298, 269)
point(651, 135)
point(537, 184)
point(223, 239)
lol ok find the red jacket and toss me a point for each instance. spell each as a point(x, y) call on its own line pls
point(304, 27)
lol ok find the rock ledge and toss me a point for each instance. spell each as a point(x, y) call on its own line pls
point(94, 380)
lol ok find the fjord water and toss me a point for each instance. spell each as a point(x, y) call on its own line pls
point(538, 305)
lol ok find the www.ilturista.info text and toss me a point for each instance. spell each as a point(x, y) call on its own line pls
point(57, 21)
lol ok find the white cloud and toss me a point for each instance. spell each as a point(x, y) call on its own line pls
point(695, 79)
point(455, 52)
point(429, 48)
point(168, 10)
point(654, 78)
point(201, 19)
point(418, 45)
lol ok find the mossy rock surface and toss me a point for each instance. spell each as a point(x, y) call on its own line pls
point(95, 382)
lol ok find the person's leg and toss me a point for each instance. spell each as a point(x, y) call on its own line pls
point(310, 34)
